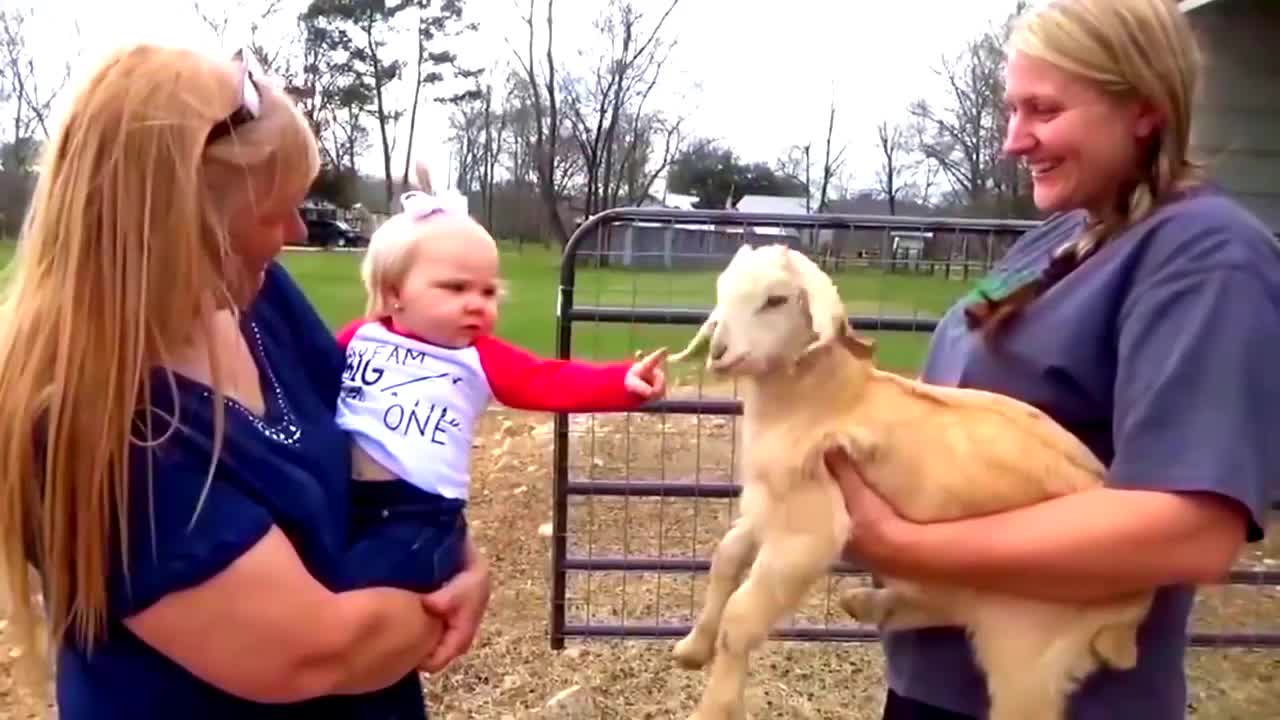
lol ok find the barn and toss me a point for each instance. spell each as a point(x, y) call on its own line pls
point(1238, 108)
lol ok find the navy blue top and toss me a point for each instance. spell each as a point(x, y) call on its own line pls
point(1159, 354)
point(290, 468)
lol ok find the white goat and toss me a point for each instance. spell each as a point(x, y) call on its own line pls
point(935, 453)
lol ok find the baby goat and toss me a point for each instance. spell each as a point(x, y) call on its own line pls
point(809, 385)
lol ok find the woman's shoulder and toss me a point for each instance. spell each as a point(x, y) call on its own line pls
point(1207, 229)
point(1036, 244)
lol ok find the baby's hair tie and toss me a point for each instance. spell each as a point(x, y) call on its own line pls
point(419, 205)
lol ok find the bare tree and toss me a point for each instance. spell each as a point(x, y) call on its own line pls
point(830, 165)
point(518, 115)
point(894, 162)
point(958, 138)
point(643, 162)
point(276, 56)
point(606, 110)
point(963, 137)
point(468, 124)
point(927, 180)
point(796, 165)
point(24, 89)
point(546, 120)
point(492, 150)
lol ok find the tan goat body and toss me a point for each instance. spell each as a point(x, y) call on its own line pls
point(809, 384)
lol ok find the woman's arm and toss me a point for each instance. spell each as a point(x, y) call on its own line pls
point(265, 630)
point(1121, 542)
point(1194, 408)
point(1085, 547)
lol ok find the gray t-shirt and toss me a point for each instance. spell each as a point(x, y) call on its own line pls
point(1158, 353)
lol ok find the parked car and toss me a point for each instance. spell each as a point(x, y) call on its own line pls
point(333, 233)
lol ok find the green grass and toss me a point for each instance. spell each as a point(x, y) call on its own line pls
point(532, 276)
point(332, 282)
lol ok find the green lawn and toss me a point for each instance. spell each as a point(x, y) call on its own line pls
point(332, 282)
point(532, 276)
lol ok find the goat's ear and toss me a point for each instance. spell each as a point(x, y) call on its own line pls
point(744, 250)
point(826, 310)
point(862, 347)
point(704, 332)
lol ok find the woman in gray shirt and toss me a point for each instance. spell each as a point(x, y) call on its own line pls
point(1144, 316)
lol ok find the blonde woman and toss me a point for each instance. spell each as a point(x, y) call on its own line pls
point(146, 332)
point(1144, 315)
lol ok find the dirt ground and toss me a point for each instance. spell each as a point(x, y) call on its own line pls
point(511, 672)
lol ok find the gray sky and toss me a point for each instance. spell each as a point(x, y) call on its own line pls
point(760, 80)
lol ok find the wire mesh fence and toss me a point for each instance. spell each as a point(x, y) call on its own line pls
point(641, 499)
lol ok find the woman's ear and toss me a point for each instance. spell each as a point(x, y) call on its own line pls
point(1149, 121)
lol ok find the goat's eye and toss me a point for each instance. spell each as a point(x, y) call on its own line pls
point(774, 301)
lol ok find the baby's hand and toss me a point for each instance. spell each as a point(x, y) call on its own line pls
point(645, 378)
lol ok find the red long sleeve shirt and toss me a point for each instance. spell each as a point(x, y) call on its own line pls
point(522, 380)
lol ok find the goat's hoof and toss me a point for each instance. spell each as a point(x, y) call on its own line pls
point(692, 652)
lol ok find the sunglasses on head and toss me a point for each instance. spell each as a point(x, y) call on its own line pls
point(250, 98)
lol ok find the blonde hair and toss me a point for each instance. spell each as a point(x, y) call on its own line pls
point(393, 249)
point(126, 240)
point(1141, 49)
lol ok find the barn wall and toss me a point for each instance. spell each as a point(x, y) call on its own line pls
point(1237, 118)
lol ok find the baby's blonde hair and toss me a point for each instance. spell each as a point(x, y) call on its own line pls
point(393, 247)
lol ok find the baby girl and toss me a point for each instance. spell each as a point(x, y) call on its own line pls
point(422, 366)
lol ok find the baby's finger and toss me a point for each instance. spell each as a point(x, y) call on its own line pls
point(638, 386)
point(652, 360)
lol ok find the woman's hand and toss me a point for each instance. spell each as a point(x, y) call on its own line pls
point(461, 604)
point(877, 531)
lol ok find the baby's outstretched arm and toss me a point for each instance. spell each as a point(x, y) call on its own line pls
point(524, 381)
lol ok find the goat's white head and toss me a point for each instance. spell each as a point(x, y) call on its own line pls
point(773, 306)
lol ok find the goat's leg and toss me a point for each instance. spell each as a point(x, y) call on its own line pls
point(1032, 659)
point(785, 568)
point(729, 562)
point(1023, 694)
point(890, 610)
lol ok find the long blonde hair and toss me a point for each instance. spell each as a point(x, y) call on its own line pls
point(126, 241)
point(1141, 49)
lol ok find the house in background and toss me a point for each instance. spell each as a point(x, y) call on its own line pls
point(679, 201)
point(1237, 115)
point(780, 204)
point(776, 205)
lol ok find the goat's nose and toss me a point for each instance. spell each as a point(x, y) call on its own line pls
point(717, 350)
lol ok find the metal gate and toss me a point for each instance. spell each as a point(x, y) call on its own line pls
point(684, 244)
